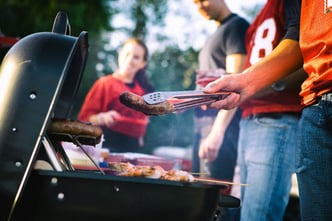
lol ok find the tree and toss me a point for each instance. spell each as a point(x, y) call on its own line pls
point(172, 70)
point(20, 18)
point(137, 17)
point(23, 17)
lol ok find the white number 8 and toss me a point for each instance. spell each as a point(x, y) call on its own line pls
point(263, 43)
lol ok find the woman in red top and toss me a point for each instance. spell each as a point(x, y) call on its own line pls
point(123, 127)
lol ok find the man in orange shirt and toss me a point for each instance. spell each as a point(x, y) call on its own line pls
point(312, 50)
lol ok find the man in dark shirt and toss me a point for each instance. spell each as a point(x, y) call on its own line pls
point(223, 50)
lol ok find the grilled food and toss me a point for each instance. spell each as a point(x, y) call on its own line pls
point(137, 103)
point(74, 128)
point(155, 172)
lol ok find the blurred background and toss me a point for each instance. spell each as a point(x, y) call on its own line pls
point(172, 29)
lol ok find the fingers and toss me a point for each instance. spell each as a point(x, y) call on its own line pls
point(224, 83)
point(209, 154)
point(114, 114)
point(108, 118)
point(231, 101)
point(204, 107)
point(217, 85)
point(102, 119)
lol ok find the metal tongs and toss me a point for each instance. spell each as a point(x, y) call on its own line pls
point(187, 99)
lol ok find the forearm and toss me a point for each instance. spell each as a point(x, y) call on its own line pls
point(95, 119)
point(291, 83)
point(282, 61)
point(234, 63)
point(222, 122)
point(104, 118)
point(294, 81)
point(210, 146)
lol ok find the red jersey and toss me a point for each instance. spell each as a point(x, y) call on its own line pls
point(263, 35)
point(316, 46)
point(104, 96)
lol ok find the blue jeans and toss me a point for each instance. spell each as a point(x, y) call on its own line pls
point(314, 170)
point(266, 156)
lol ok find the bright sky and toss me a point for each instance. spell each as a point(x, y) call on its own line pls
point(184, 25)
point(191, 29)
point(236, 5)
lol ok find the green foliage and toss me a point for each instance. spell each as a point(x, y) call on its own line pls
point(169, 69)
point(144, 11)
point(22, 17)
point(19, 18)
point(172, 70)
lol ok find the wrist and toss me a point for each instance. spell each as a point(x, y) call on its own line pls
point(99, 118)
point(278, 86)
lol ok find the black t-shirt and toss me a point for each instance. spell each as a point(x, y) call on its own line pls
point(293, 11)
point(226, 40)
point(229, 38)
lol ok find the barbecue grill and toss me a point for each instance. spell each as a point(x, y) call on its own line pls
point(39, 78)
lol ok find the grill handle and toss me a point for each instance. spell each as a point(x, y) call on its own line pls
point(227, 201)
point(61, 24)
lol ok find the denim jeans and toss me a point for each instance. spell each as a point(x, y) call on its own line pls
point(314, 170)
point(266, 156)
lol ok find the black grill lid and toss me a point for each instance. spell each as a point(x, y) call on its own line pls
point(39, 78)
point(75, 67)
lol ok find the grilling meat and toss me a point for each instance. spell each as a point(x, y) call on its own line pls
point(128, 169)
point(155, 172)
point(74, 128)
point(178, 175)
point(137, 103)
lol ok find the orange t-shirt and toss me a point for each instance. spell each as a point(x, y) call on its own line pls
point(316, 46)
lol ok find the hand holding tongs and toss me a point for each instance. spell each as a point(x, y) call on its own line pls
point(191, 98)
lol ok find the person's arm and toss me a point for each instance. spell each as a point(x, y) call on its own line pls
point(210, 146)
point(294, 81)
point(291, 83)
point(92, 108)
point(107, 118)
point(282, 61)
point(234, 63)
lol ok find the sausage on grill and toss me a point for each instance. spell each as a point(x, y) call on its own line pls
point(74, 128)
point(137, 103)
